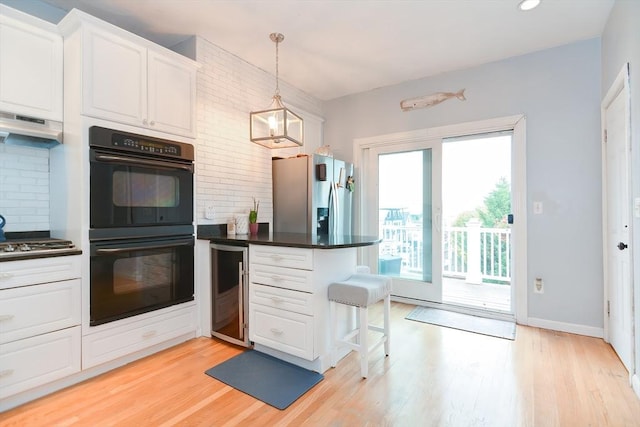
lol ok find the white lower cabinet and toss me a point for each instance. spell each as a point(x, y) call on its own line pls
point(282, 330)
point(40, 305)
point(112, 343)
point(31, 362)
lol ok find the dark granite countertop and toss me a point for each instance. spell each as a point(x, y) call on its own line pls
point(217, 234)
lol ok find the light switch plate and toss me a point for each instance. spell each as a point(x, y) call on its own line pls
point(537, 208)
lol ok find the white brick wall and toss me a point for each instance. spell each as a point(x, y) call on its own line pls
point(230, 169)
point(24, 188)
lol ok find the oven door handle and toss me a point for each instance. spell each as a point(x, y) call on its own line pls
point(141, 248)
point(109, 158)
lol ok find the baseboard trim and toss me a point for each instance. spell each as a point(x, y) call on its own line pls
point(571, 328)
point(635, 383)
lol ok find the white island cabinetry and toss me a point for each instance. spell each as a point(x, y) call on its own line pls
point(40, 335)
point(288, 306)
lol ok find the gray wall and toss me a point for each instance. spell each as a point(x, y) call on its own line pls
point(620, 44)
point(559, 92)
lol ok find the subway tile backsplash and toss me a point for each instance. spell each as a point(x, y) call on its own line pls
point(24, 188)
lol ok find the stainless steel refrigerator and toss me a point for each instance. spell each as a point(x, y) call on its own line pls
point(312, 195)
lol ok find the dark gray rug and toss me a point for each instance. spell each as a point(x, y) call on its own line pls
point(464, 322)
point(274, 381)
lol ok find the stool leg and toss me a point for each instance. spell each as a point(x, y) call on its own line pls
point(364, 345)
point(387, 324)
point(333, 351)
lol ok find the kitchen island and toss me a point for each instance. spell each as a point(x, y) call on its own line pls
point(289, 274)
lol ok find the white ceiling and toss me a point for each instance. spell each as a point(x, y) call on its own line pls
point(337, 47)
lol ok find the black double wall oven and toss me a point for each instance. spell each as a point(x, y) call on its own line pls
point(141, 224)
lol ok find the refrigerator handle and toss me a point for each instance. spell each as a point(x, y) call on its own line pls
point(336, 200)
point(332, 209)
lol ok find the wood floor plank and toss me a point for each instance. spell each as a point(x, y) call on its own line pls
point(434, 376)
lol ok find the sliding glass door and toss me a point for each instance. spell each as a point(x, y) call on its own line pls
point(408, 217)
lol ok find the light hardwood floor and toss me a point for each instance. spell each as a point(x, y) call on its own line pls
point(434, 377)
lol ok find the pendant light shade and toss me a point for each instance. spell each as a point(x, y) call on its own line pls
point(277, 126)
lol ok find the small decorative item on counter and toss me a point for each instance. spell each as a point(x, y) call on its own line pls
point(231, 227)
point(253, 217)
point(242, 224)
point(253, 214)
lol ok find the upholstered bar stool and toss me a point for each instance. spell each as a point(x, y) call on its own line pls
point(360, 291)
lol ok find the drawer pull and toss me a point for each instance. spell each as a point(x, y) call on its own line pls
point(276, 331)
point(276, 257)
point(6, 373)
point(6, 275)
point(276, 299)
point(277, 278)
point(6, 317)
point(149, 334)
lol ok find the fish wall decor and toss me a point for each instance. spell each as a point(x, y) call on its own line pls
point(430, 100)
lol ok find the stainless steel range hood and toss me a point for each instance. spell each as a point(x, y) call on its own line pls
point(16, 129)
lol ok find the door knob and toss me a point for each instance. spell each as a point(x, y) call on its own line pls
point(622, 246)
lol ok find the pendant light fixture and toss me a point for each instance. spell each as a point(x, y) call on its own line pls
point(277, 126)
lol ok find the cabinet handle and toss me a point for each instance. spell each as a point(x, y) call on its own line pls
point(6, 275)
point(145, 122)
point(152, 123)
point(276, 257)
point(277, 278)
point(276, 299)
point(6, 373)
point(149, 334)
point(276, 331)
point(6, 317)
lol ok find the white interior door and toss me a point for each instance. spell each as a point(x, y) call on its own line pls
point(617, 221)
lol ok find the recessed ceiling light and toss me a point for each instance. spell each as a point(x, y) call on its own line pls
point(528, 4)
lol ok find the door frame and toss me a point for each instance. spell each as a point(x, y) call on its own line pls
point(620, 84)
point(517, 123)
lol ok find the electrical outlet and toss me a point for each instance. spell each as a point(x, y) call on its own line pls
point(209, 212)
point(538, 286)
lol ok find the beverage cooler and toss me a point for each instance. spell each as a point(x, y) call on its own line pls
point(229, 293)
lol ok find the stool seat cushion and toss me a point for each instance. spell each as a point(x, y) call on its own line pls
point(360, 290)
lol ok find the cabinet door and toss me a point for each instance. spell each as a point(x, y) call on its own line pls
point(172, 95)
point(115, 78)
point(38, 309)
point(29, 363)
point(30, 70)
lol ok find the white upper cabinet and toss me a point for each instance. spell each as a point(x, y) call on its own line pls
point(31, 52)
point(114, 74)
point(128, 79)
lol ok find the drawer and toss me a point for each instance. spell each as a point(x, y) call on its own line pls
point(29, 363)
point(110, 344)
point(41, 270)
point(281, 277)
point(282, 330)
point(281, 256)
point(299, 302)
point(38, 309)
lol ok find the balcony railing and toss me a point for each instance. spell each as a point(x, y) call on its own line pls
point(472, 253)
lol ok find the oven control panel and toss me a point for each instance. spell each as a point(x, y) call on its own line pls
point(119, 140)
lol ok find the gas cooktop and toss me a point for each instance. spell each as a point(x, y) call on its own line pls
point(24, 247)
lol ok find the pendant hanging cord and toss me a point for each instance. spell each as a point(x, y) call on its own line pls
point(277, 39)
